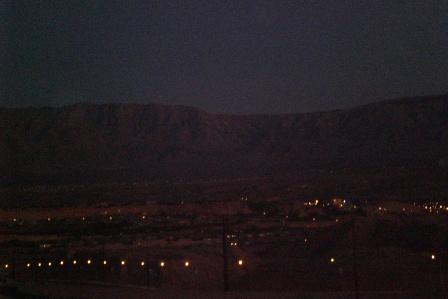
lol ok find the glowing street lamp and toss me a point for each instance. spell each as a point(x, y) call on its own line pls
point(104, 262)
point(332, 260)
point(75, 262)
point(28, 265)
point(6, 266)
point(61, 263)
point(123, 263)
point(89, 262)
point(39, 264)
point(187, 264)
point(433, 256)
point(49, 264)
point(162, 264)
point(142, 263)
point(240, 262)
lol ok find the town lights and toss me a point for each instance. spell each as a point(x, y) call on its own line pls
point(142, 263)
point(240, 262)
point(28, 265)
point(123, 263)
point(89, 262)
point(49, 264)
point(74, 262)
point(39, 264)
point(332, 260)
point(6, 266)
point(104, 262)
point(187, 264)
point(433, 256)
point(162, 264)
point(61, 263)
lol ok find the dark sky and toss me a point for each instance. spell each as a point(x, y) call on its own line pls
point(223, 56)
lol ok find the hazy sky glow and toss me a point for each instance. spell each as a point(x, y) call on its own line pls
point(223, 56)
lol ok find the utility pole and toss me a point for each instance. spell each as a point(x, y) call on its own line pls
point(355, 261)
point(148, 270)
point(225, 268)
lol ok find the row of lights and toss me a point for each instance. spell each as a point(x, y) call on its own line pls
point(89, 262)
point(162, 264)
point(333, 260)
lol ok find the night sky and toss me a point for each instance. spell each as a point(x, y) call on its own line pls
point(223, 56)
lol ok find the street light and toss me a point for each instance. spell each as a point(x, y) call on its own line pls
point(187, 264)
point(240, 262)
point(162, 264)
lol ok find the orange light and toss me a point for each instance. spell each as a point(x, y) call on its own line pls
point(240, 262)
point(89, 262)
point(187, 264)
point(123, 263)
point(142, 263)
point(6, 266)
point(61, 263)
point(162, 264)
point(332, 260)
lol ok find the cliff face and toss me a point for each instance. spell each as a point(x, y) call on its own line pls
point(122, 141)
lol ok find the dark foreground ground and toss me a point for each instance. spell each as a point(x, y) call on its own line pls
point(91, 291)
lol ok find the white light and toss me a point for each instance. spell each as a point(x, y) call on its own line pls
point(104, 262)
point(123, 263)
point(39, 264)
point(332, 260)
point(6, 266)
point(142, 263)
point(240, 262)
point(49, 264)
point(75, 262)
point(28, 265)
point(162, 264)
point(61, 263)
point(187, 264)
point(89, 262)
